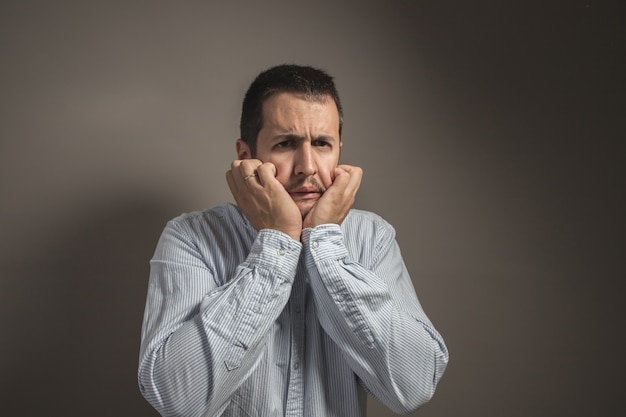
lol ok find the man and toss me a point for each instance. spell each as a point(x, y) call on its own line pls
point(289, 303)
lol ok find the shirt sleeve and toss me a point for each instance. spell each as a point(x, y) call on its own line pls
point(368, 306)
point(200, 341)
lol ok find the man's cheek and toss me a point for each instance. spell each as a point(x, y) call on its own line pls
point(284, 180)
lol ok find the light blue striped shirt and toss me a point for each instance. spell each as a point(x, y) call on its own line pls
point(247, 323)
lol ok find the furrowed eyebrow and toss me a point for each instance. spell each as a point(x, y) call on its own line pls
point(294, 136)
point(289, 136)
point(324, 137)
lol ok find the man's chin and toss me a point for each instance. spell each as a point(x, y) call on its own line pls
point(305, 206)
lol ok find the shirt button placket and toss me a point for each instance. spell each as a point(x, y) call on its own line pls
point(295, 401)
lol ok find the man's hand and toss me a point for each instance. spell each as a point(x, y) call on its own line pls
point(334, 205)
point(262, 198)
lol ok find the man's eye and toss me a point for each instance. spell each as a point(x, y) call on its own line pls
point(286, 144)
point(322, 143)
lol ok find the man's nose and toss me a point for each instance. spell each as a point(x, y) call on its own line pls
point(305, 160)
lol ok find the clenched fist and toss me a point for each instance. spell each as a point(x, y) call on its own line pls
point(263, 199)
point(334, 205)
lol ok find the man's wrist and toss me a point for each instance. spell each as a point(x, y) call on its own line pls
point(289, 233)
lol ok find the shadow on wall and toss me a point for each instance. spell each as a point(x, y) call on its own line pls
point(76, 312)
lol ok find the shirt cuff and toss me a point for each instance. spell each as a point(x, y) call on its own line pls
point(275, 251)
point(324, 242)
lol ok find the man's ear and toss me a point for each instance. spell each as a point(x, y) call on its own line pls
point(243, 150)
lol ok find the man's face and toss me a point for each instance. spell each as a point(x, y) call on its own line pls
point(301, 138)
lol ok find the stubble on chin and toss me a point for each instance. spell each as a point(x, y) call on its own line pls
point(308, 203)
point(305, 206)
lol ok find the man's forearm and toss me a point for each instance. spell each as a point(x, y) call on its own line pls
point(374, 316)
point(199, 341)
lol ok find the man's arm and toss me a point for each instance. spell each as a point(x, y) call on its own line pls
point(366, 301)
point(200, 339)
point(367, 305)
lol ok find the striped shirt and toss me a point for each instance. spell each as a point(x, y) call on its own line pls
point(246, 323)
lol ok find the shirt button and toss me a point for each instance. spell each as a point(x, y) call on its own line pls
point(281, 252)
point(315, 244)
point(340, 297)
point(298, 309)
point(256, 308)
point(296, 365)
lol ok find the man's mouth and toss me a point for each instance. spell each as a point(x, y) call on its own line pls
point(312, 190)
point(303, 193)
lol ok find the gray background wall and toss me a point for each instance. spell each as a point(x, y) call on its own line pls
point(491, 135)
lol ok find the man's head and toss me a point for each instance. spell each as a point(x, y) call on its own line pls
point(292, 118)
point(310, 83)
